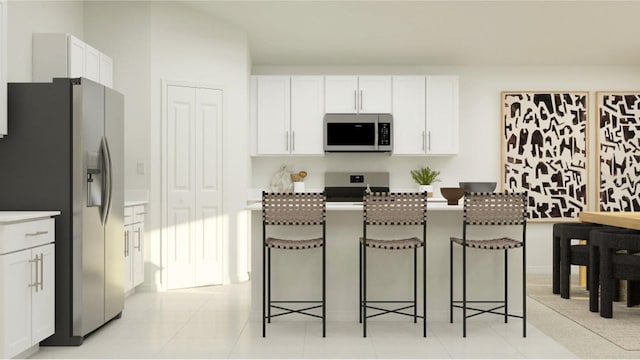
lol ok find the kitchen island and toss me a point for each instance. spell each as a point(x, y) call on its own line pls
point(296, 274)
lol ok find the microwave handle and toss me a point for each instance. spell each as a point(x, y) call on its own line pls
point(375, 138)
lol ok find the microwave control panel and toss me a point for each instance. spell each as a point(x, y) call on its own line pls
point(384, 133)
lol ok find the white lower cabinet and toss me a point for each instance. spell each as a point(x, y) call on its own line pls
point(27, 289)
point(133, 246)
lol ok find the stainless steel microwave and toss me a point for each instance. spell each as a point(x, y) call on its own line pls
point(358, 133)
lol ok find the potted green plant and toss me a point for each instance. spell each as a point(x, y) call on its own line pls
point(425, 177)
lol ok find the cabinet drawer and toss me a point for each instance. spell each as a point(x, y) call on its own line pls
point(138, 214)
point(128, 215)
point(23, 235)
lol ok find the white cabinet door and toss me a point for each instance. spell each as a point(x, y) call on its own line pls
point(15, 297)
point(409, 115)
point(307, 112)
point(106, 70)
point(137, 257)
point(3, 68)
point(442, 115)
point(91, 63)
point(341, 94)
point(43, 299)
point(128, 255)
point(273, 115)
point(76, 57)
point(374, 94)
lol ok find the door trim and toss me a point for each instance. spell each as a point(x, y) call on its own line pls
point(164, 261)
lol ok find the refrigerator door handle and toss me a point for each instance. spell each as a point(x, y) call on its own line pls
point(109, 179)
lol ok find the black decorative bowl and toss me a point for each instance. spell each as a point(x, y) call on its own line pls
point(452, 194)
point(478, 186)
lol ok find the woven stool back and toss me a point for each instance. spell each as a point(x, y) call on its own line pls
point(395, 208)
point(495, 208)
point(293, 208)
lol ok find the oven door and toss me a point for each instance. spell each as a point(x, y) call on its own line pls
point(349, 132)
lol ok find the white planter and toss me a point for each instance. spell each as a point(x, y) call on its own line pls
point(427, 188)
point(298, 187)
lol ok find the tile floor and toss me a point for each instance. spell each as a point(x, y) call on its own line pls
point(213, 322)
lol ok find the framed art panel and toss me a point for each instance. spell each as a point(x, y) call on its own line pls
point(618, 148)
point(544, 151)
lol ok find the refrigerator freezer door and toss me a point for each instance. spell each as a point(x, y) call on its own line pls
point(88, 269)
point(114, 226)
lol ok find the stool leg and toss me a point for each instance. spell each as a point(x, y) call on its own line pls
point(424, 287)
point(524, 290)
point(364, 289)
point(556, 264)
point(264, 284)
point(360, 282)
point(269, 285)
point(594, 278)
point(506, 286)
point(324, 288)
point(415, 286)
point(565, 267)
point(464, 291)
point(450, 282)
point(607, 285)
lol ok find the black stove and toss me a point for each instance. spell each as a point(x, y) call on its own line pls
point(351, 187)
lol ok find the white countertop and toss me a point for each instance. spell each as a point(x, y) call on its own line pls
point(16, 216)
point(357, 206)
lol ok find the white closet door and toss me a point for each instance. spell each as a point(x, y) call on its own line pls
point(208, 191)
point(194, 197)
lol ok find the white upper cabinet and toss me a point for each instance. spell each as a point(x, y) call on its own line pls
point(358, 94)
point(75, 62)
point(106, 70)
point(63, 55)
point(425, 115)
point(92, 63)
point(442, 115)
point(409, 111)
point(3, 68)
point(307, 112)
point(273, 102)
point(288, 114)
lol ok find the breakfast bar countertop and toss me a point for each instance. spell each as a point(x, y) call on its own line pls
point(435, 205)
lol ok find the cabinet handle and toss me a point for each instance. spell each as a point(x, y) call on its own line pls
point(35, 284)
point(360, 99)
point(286, 140)
point(41, 272)
point(37, 233)
point(429, 140)
point(293, 141)
point(142, 213)
point(423, 140)
point(355, 100)
point(126, 243)
point(137, 247)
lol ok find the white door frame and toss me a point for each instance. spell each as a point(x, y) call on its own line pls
point(164, 181)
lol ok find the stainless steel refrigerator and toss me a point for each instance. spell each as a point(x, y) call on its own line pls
point(65, 152)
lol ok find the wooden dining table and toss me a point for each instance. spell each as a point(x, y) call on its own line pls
point(623, 219)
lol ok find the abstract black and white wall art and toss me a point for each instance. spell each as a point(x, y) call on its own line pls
point(544, 137)
point(618, 146)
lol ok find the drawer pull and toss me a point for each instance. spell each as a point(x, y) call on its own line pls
point(37, 233)
point(142, 213)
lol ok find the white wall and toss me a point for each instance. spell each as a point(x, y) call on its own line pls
point(188, 46)
point(479, 157)
point(122, 30)
point(27, 17)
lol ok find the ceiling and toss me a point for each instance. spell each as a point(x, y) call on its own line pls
point(437, 33)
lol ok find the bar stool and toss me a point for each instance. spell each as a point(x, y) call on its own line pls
point(613, 257)
point(406, 209)
point(565, 254)
point(291, 209)
point(493, 209)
